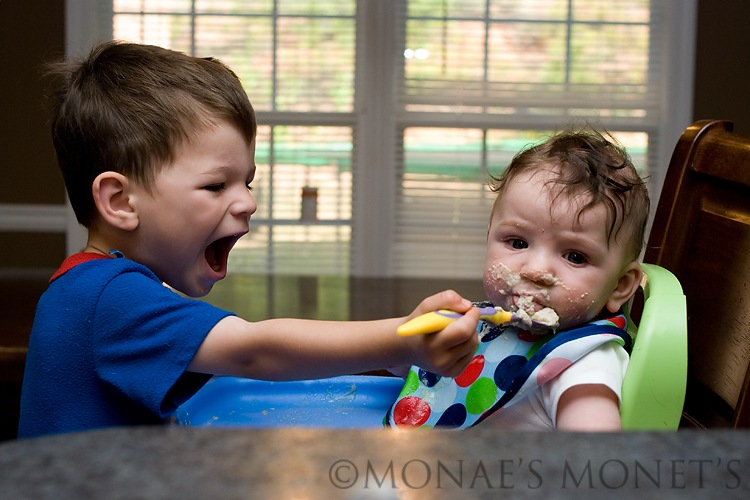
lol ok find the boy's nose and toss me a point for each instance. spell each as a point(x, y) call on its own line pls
point(245, 205)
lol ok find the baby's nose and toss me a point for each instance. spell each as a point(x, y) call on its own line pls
point(544, 278)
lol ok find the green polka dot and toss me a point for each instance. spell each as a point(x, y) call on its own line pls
point(481, 396)
point(539, 343)
point(410, 384)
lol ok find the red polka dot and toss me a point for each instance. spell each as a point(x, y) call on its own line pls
point(552, 369)
point(619, 321)
point(411, 411)
point(471, 373)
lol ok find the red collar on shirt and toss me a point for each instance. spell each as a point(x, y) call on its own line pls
point(74, 260)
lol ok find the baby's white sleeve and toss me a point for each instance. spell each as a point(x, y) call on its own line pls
point(604, 365)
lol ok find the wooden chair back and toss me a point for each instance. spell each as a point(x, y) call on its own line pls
point(701, 233)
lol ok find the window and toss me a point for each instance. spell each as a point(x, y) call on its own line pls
point(510, 73)
point(385, 118)
point(296, 60)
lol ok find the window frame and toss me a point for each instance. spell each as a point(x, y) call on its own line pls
point(376, 156)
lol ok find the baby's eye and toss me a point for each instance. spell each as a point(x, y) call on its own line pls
point(575, 258)
point(517, 244)
point(248, 186)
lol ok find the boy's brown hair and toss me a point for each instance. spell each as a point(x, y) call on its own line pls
point(127, 107)
point(594, 169)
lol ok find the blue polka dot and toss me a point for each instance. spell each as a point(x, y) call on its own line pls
point(454, 416)
point(507, 370)
point(428, 379)
point(491, 333)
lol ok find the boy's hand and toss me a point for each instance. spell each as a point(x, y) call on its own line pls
point(448, 351)
point(447, 299)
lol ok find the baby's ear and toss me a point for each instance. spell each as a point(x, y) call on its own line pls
point(627, 285)
point(112, 196)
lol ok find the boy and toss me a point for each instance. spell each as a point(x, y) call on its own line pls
point(565, 233)
point(157, 153)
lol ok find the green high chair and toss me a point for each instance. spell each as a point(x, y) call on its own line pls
point(653, 391)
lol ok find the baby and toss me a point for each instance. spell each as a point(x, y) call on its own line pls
point(565, 235)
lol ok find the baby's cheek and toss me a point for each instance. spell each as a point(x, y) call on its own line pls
point(496, 294)
point(575, 309)
point(498, 283)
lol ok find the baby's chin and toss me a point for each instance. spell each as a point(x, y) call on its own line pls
point(570, 320)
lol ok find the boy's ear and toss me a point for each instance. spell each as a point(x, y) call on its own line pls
point(112, 196)
point(627, 285)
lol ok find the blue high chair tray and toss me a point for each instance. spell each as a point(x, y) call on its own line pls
point(355, 401)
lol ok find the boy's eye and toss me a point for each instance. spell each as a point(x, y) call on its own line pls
point(575, 258)
point(249, 186)
point(517, 244)
point(216, 188)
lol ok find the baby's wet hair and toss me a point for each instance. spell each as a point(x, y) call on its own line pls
point(593, 168)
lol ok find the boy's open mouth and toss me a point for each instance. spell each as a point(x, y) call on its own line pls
point(217, 253)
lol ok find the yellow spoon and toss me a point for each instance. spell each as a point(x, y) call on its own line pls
point(437, 320)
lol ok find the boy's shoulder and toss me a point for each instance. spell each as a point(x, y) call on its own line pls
point(100, 293)
point(84, 278)
point(94, 266)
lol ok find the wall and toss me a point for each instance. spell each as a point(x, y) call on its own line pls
point(722, 64)
point(32, 33)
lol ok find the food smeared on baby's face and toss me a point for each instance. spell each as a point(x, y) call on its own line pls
point(500, 282)
point(547, 317)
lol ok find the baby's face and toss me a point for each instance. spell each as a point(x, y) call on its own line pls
point(197, 209)
point(539, 258)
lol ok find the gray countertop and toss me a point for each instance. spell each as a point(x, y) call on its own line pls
point(183, 462)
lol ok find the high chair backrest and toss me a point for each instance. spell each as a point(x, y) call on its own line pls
point(701, 233)
point(653, 391)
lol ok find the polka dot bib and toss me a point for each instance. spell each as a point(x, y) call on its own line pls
point(508, 365)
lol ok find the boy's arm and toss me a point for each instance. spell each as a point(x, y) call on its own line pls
point(589, 408)
point(287, 349)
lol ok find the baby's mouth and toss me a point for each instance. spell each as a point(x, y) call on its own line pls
point(536, 317)
point(527, 304)
point(217, 253)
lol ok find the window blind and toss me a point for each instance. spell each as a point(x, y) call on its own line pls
point(510, 74)
point(296, 59)
point(396, 112)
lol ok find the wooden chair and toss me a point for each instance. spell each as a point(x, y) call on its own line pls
point(701, 233)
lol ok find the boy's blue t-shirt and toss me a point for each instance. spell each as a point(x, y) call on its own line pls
point(110, 346)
